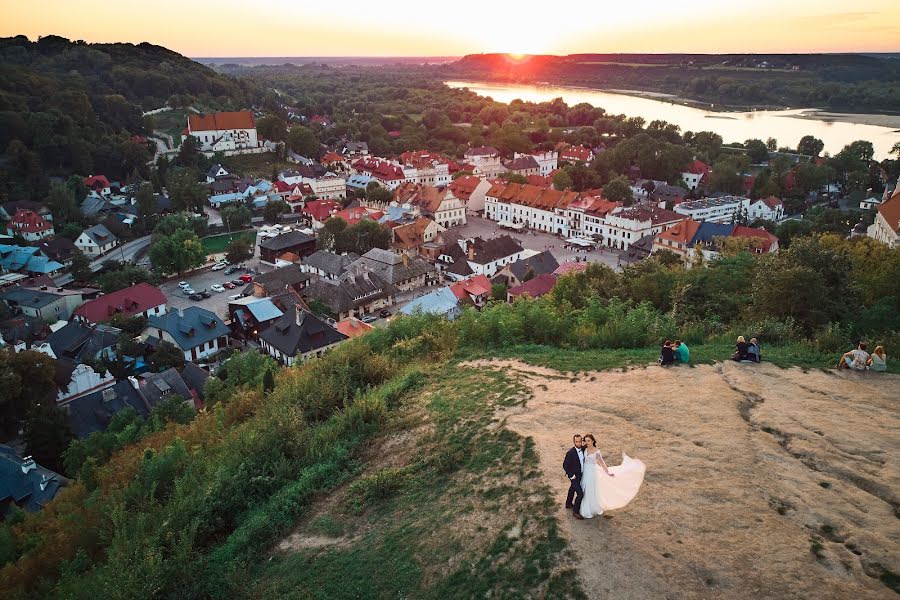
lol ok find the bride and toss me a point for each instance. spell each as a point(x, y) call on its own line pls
point(608, 488)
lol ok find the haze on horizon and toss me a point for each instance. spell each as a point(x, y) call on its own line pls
point(230, 28)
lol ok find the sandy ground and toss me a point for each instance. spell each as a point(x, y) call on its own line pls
point(892, 121)
point(749, 469)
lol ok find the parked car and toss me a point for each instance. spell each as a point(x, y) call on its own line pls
point(219, 266)
point(195, 297)
point(188, 291)
point(217, 288)
point(237, 282)
point(385, 313)
point(246, 278)
point(184, 285)
point(231, 270)
point(369, 319)
point(227, 285)
point(205, 294)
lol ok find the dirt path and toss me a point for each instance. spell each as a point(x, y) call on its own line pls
point(752, 471)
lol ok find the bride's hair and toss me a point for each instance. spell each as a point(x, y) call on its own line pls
point(591, 436)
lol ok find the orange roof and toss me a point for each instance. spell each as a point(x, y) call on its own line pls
point(772, 202)
point(289, 257)
point(890, 211)
point(473, 286)
point(331, 157)
point(768, 239)
point(353, 327)
point(463, 187)
point(543, 198)
point(411, 235)
point(222, 121)
point(682, 232)
point(576, 154)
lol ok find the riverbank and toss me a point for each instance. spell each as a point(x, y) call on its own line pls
point(892, 121)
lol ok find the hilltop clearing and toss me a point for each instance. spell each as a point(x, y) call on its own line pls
point(761, 481)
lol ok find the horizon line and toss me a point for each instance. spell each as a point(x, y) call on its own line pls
point(559, 55)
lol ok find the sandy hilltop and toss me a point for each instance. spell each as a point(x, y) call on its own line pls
point(761, 482)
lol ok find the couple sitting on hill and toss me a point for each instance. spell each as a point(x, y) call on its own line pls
point(674, 352)
point(744, 352)
point(860, 360)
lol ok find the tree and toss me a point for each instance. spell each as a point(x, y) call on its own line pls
point(268, 381)
point(81, 267)
point(166, 356)
point(25, 377)
point(377, 194)
point(757, 151)
point(70, 231)
point(62, 204)
point(189, 155)
point(236, 216)
point(238, 250)
point(810, 146)
point(512, 177)
point(177, 253)
point(727, 175)
point(498, 292)
point(771, 144)
point(619, 190)
point(145, 202)
point(362, 237)
point(328, 235)
point(303, 141)
point(274, 209)
point(562, 181)
point(185, 190)
point(271, 127)
point(47, 435)
point(125, 276)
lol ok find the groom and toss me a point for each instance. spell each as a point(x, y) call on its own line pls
point(573, 466)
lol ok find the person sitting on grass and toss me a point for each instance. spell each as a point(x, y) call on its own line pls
point(666, 354)
point(740, 350)
point(753, 352)
point(878, 360)
point(682, 353)
point(855, 359)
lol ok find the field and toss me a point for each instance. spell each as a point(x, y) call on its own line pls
point(216, 244)
point(255, 165)
point(172, 122)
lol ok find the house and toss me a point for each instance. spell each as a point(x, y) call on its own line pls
point(523, 164)
point(425, 168)
point(98, 184)
point(95, 241)
point(8, 209)
point(290, 277)
point(353, 327)
point(354, 215)
point(688, 237)
point(29, 225)
point(471, 190)
point(356, 293)
point(623, 227)
point(587, 215)
point(474, 291)
point(250, 315)
point(570, 267)
point(535, 288)
point(668, 195)
point(440, 204)
point(402, 272)
point(770, 209)
point(46, 305)
point(577, 154)
point(332, 160)
point(299, 337)
point(320, 211)
point(486, 160)
point(385, 172)
point(216, 172)
point(478, 256)
point(296, 242)
point(328, 265)
point(762, 241)
point(81, 342)
point(724, 209)
point(58, 249)
point(411, 237)
point(76, 380)
point(359, 182)
point(222, 131)
point(155, 388)
point(886, 228)
point(547, 162)
point(28, 260)
point(522, 270)
point(93, 412)
point(142, 300)
point(24, 483)
point(199, 333)
point(442, 302)
point(696, 175)
point(541, 209)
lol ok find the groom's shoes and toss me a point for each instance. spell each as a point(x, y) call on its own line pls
point(577, 516)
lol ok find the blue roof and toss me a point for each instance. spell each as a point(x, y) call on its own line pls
point(30, 487)
point(225, 198)
point(93, 412)
point(264, 310)
point(26, 258)
point(394, 213)
point(197, 326)
point(360, 180)
point(709, 230)
point(438, 302)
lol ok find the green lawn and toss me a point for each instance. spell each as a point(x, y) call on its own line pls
point(216, 244)
point(255, 165)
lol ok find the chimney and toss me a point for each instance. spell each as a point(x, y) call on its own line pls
point(28, 465)
point(134, 382)
point(405, 258)
point(180, 313)
point(471, 251)
point(299, 314)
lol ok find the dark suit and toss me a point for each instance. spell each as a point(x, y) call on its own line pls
point(572, 467)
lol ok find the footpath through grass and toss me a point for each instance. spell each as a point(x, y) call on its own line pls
point(460, 512)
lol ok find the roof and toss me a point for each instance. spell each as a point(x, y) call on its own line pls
point(767, 239)
point(190, 328)
point(482, 151)
point(522, 163)
point(682, 232)
point(222, 121)
point(36, 299)
point(96, 181)
point(354, 215)
point(277, 279)
point(194, 378)
point(321, 210)
point(653, 214)
point(156, 387)
point(100, 235)
point(492, 249)
point(536, 287)
point(353, 327)
point(214, 171)
point(698, 167)
point(772, 202)
point(28, 221)
point(708, 231)
point(576, 154)
point(299, 333)
point(570, 267)
point(57, 248)
point(25, 482)
point(463, 187)
point(353, 289)
point(93, 412)
point(262, 309)
point(890, 211)
point(439, 302)
point(543, 198)
point(390, 267)
point(473, 286)
point(286, 241)
point(331, 157)
point(128, 302)
point(539, 264)
point(329, 262)
point(411, 235)
point(379, 168)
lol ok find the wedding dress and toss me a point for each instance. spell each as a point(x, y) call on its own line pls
point(602, 492)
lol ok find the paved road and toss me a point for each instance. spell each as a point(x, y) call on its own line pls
point(126, 252)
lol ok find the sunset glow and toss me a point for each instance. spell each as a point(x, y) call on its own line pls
point(405, 28)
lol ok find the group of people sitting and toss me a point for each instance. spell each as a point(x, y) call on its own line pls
point(747, 352)
point(673, 352)
point(860, 360)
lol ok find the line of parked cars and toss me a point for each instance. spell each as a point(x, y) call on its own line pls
point(244, 279)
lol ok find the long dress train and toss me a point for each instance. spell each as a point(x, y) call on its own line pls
point(602, 492)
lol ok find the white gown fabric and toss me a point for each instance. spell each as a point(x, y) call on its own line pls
point(602, 492)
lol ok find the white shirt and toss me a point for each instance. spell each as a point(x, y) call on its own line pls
point(580, 452)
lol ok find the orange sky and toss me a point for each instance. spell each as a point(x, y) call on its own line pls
point(416, 28)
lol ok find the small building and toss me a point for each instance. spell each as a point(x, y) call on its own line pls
point(477, 256)
point(142, 300)
point(299, 337)
point(95, 241)
point(696, 175)
point(58, 249)
point(471, 190)
point(474, 291)
point(221, 131)
point(524, 165)
point(770, 209)
point(289, 277)
point(442, 302)
point(519, 272)
point(409, 238)
point(296, 242)
point(199, 333)
point(215, 172)
point(98, 184)
point(42, 304)
point(356, 293)
point(250, 315)
point(401, 271)
point(577, 154)
point(24, 483)
point(534, 288)
point(724, 209)
point(353, 327)
point(93, 412)
point(328, 265)
point(29, 225)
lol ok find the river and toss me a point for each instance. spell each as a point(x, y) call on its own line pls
point(786, 126)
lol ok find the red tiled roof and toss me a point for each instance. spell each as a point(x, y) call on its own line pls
point(772, 202)
point(353, 327)
point(543, 198)
point(539, 180)
point(331, 157)
point(463, 187)
point(320, 210)
point(282, 186)
point(128, 302)
point(222, 121)
point(473, 286)
point(698, 167)
point(378, 168)
point(96, 182)
point(355, 215)
point(576, 154)
point(681, 233)
point(768, 239)
point(570, 267)
point(536, 287)
point(29, 221)
point(652, 214)
point(890, 211)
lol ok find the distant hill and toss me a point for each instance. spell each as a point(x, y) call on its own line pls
point(846, 82)
point(70, 105)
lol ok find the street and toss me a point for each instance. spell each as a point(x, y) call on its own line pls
point(125, 253)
